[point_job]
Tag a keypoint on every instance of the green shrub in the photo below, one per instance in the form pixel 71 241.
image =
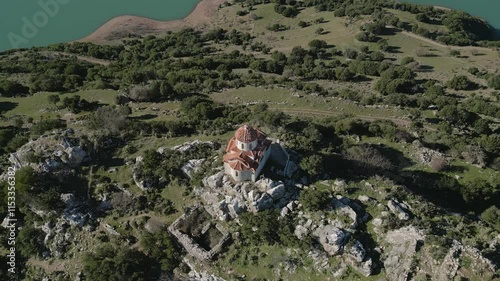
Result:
pixel 492 217
pixel 461 83
pixel 494 82
pixel 118 263
pixel 314 200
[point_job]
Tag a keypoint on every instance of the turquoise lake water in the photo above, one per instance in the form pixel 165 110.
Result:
pixel 486 9
pixel 26 23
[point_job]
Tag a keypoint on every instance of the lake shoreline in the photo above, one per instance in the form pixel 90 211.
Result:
pixel 122 26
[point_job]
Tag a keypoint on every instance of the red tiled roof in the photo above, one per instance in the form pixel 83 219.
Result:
pixel 241 160
pixel 246 134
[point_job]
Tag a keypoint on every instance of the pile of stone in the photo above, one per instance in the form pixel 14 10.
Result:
pixel 426 155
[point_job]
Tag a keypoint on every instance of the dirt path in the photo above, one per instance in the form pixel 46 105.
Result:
pixel 88 59
pixel 83 58
pixel 435 43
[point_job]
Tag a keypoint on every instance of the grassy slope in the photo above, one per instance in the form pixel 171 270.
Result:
pixel 339 33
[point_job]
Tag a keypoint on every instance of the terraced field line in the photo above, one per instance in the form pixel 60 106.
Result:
pixel 325 113
pixel 86 58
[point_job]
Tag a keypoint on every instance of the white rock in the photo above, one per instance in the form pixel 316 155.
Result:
pixel 396 208
pixel 277 192
pixel 357 251
pixel 332 239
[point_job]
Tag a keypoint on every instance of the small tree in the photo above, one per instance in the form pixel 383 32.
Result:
pixel 423 18
pixel 494 82
pixel 492 217
pixel 350 53
pixel 314 200
pixel 313 165
pixel 438 163
pixel 377 56
pixel 162 247
pixel 319 31
pixel 461 83
pixel 407 60
pixel 30 241
pixel 112 263
pixel 54 99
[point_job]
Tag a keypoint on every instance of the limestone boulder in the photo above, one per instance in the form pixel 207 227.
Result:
pixel 357 251
pixel 192 166
pixel 300 231
pixel 263 202
pixel 277 192
pixel 214 181
pixel 399 210
pixel 332 239
pixel 366 267
pixel 75 156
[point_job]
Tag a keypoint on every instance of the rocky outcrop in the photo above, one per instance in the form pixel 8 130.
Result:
pixel 321 261
pixel 214 181
pixel 342 206
pixel 192 166
pixel 75 212
pixel 399 209
pixel 190 145
pixel 75 156
pixel 332 239
pixel 401 252
pixel 140 181
pixel 238 197
pixel 357 258
pixel 49 153
pixel 449 267
pixel 277 192
pixel 260 201
pixel 357 251
pixel 57 238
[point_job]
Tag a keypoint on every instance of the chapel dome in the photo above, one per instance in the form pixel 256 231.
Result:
pixel 246 134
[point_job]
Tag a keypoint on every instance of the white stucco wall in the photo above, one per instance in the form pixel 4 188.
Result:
pixel 246 146
pixel 238 176
pixel 262 163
